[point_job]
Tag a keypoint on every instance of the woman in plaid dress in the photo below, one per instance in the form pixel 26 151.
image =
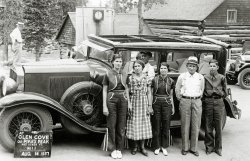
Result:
pixel 140 108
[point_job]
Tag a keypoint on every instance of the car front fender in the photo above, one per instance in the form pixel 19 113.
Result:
pixel 231 108
pixel 16 99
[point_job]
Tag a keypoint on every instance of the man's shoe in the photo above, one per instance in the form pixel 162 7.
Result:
pixel 119 154
pixel 183 152
pixel 144 152
pixel 157 151
pixel 164 151
pixel 196 153
pixel 133 151
pixel 218 152
pixel 114 154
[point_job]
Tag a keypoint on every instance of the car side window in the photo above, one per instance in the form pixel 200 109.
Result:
pixel 177 60
pixel 204 59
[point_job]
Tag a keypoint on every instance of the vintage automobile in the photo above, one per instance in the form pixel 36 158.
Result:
pixel 242 77
pixel 69 92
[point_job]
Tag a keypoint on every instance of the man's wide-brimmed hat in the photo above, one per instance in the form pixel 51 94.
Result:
pixel 192 60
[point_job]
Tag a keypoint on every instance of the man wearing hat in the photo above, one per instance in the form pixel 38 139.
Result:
pixel 189 89
pixel 17 40
pixel 148 69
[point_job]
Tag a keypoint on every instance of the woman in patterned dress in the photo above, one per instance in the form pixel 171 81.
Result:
pixel 139 108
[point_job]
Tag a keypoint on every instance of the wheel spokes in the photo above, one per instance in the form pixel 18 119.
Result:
pixel 24 121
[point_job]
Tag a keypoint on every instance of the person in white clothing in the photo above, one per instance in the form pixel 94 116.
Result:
pixel 148 69
pixel 189 89
pixel 16 38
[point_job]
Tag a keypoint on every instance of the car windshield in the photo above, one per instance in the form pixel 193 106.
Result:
pixel 104 56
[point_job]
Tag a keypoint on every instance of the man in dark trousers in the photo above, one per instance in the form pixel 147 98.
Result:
pixel 215 91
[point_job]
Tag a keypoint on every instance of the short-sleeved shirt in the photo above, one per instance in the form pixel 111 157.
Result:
pixel 119 85
pixel 164 85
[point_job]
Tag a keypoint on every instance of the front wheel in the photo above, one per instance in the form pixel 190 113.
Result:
pixel 84 101
pixel 244 79
pixel 22 118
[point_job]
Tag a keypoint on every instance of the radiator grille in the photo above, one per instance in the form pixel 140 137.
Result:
pixel 58 85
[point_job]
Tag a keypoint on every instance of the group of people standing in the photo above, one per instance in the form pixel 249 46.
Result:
pixel 139 106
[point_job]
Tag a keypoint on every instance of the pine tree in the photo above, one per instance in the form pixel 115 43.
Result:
pixel 9 16
pixel 37 26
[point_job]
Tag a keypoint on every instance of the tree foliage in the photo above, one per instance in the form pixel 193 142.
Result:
pixel 37 26
pixel 9 17
pixel 123 6
pixel 43 19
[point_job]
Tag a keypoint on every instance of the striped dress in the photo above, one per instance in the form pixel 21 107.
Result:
pixel 138 124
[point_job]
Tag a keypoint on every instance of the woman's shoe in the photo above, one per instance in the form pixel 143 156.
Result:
pixel 114 154
pixel 119 154
pixel 144 152
pixel 157 151
pixel 164 151
pixel 133 151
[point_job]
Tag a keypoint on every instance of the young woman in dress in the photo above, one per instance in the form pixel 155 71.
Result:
pixel 140 108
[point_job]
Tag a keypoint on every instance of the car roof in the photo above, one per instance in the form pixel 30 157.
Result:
pixel 170 45
pixel 155 42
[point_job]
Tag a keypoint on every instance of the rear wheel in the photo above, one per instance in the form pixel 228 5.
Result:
pixel 22 118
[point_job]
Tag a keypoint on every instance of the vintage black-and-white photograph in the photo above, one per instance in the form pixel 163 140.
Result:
pixel 90 80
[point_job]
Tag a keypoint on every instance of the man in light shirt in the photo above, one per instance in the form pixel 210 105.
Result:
pixel 17 40
pixel 148 69
pixel 189 89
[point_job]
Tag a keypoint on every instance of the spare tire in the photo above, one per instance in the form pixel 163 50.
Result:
pixel 84 101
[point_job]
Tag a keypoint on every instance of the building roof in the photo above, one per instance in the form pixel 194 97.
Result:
pixel 72 16
pixel 183 10
pixel 67 33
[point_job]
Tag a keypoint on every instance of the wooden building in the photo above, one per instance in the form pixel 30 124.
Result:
pixel 225 20
pixel 67 34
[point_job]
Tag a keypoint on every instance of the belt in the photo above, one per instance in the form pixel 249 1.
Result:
pixel 162 96
pixel 214 97
pixel 187 97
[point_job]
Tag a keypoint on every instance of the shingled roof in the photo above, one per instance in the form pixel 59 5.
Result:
pixel 67 32
pixel 196 10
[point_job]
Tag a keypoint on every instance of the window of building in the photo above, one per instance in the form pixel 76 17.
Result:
pixel 231 16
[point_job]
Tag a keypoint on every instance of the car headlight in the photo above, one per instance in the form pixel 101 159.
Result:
pixel 9 86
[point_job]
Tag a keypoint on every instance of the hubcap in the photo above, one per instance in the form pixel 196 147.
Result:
pixel 87 108
pixel 25 127
pixel 24 121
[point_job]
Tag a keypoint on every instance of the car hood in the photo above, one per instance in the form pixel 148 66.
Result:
pixel 245 58
pixel 61 66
